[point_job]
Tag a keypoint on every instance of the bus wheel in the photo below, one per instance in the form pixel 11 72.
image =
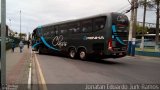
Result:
pixel 40 50
pixel 72 53
pixel 82 54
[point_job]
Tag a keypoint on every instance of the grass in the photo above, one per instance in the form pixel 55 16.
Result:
pixel 147 49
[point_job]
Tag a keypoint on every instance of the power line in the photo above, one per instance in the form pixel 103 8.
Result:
pixel 122 8
pixel 130 2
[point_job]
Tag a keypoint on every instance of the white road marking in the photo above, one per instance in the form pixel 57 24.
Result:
pixel 30 72
pixel 29 78
pixel 43 83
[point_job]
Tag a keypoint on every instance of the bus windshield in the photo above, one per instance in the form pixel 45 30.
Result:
pixel 120 20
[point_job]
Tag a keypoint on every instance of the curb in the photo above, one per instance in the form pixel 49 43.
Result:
pixel 152 54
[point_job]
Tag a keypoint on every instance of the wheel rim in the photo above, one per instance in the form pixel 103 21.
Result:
pixel 72 53
pixel 82 54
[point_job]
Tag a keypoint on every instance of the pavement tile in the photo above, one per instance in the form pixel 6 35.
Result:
pixel 17 67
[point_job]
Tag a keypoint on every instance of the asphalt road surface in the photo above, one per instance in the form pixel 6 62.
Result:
pixel 126 70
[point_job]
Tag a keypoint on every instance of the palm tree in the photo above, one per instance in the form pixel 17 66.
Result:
pixel 145 4
pixel 140 28
pixel 23 35
pixel 152 4
pixel 157 24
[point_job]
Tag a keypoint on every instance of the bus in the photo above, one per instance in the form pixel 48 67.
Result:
pixel 100 35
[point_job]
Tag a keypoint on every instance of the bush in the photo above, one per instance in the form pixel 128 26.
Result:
pixel 9 41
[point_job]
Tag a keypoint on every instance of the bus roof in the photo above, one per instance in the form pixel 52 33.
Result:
pixel 67 21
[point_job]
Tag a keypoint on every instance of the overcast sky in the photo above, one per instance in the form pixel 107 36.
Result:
pixel 40 12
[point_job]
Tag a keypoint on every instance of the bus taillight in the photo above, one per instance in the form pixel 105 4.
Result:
pixel 110 45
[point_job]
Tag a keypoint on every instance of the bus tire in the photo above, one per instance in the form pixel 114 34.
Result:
pixel 72 53
pixel 82 54
pixel 40 50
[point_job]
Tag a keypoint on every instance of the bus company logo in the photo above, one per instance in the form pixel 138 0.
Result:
pixel 121 18
pixel 93 38
pixel 58 41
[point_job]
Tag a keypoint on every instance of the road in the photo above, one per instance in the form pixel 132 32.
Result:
pixel 132 70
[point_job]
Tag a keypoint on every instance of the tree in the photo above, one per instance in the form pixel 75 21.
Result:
pixel 16 33
pixel 22 35
pixel 152 4
pixel 11 34
pixel 157 25
pixel 139 30
pixel 145 4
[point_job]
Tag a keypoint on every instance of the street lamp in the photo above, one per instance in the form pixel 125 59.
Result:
pixel 9 29
pixel 20 24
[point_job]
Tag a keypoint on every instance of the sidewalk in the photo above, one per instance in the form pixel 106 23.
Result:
pixel 17 67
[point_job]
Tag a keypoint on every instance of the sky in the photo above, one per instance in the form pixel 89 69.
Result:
pixel 39 12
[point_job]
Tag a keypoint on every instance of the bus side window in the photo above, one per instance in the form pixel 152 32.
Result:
pixel 70 28
pixel 99 23
pixel 62 29
pixel 48 32
pixel 86 26
pixel 44 32
pixel 74 28
pixel 56 30
pixel 52 32
pixel 70 31
pixel 63 32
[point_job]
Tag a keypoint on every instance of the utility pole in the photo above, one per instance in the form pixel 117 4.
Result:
pixel 3 43
pixel 134 27
pixel 20 24
pixel 10 23
pixel 132 30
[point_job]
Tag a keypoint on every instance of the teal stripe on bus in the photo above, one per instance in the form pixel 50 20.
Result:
pixel 49 46
pixel 117 38
pixel 36 44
